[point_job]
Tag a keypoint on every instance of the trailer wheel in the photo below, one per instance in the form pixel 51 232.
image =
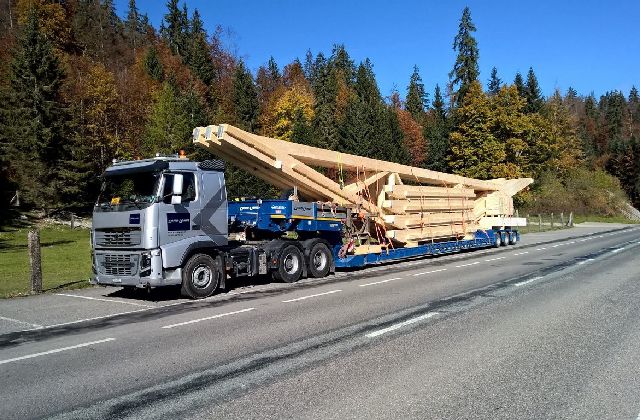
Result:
pixel 319 260
pixel 513 238
pixel 289 265
pixel 201 276
pixel 498 239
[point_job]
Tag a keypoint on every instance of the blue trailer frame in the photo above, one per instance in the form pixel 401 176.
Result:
pixel 287 215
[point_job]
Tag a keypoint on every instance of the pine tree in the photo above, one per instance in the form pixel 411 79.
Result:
pixel 533 95
pixel 494 85
pixel 170 124
pixel 416 96
pixel 34 117
pixel 465 70
pixel 436 134
pixel 176 28
pixel 134 29
pixel 634 105
pixel 198 58
pixel 370 128
pixel 518 82
pixel 245 98
pixel 153 65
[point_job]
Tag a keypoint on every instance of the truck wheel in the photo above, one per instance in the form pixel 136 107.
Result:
pixel 513 238
pixel 319 260
pixel 498 240
pixel 289 265
pixel 201 276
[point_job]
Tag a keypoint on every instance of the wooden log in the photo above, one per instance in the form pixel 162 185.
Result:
pixel 410 191
pixel 416 235
pixel 329 159
pixel 430 204
pixel 405 221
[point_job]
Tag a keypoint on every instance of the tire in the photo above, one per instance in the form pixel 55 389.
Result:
pixel 498 240
pixel 290 265
pixel 513 238
pixel 201 276
pixel 320 260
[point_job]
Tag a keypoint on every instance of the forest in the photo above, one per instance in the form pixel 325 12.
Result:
pixel 80 86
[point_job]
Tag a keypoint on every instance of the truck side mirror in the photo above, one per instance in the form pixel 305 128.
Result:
pixel 178 182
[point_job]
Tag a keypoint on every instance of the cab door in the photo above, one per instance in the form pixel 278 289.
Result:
pixel 176 221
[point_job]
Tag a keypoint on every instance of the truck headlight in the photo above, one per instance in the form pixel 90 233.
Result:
pixel 145 264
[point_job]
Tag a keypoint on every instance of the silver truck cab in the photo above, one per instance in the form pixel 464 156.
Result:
pixel 152 215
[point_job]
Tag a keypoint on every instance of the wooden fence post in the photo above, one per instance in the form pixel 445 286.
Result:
pixel 73 221
pixel 570 223
pixel 528 226
pixel 539 222
pixel 562 219
pixel 35 261
pixel 551 221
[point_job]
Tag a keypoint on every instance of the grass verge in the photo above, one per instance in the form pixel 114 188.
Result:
pixel 66 259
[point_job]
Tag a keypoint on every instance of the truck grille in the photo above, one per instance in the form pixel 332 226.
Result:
pixel 118 237
pixel 118 264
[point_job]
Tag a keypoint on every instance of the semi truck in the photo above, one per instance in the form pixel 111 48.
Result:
pixel 167 221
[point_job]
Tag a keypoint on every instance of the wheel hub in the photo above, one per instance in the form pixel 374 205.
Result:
pixel 202 276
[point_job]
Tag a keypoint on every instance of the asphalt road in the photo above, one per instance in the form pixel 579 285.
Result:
pixel 542 331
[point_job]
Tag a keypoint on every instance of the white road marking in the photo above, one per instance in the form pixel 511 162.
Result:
pixel 541 249
pixel 62 324
pixel 104 300
pixel 401 324
pixel 467 265
pixel 585 261
pixel 572 242
pixel 311 296
pixel 617 250
pixel 585 239
pixel 380 282
pixel 523 283
pixel 521 253
pixel 193 321
pixel 35 326
pixel 429 272
pixel 495 259
pixel 44 353
pixel 555 246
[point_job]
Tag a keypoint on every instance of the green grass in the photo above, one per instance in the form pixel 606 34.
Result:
pixel 604 219
pixel 66 259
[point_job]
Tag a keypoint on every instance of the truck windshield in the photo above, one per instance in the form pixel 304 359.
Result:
pixel 132 189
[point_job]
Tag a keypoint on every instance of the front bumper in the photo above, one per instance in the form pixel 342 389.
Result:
pixel 132 268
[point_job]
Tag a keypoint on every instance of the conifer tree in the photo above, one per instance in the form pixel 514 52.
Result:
pixel 518 82
pixel 634 105
pixel 134 29
pixel 416 96
pixel 436 133
pixel 245 98
pixel 494 85
pixel 533 95
pixel 170 126
pixel 174 28
pixel 465 69
pixel 34 117
pixel 152 64
pixel 198 57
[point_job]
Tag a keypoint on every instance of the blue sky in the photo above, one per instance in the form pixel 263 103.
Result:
pixel 590 45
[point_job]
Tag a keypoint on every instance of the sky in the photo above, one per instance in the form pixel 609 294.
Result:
pixel 592 46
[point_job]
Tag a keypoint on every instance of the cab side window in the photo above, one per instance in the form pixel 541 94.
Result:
pixel 188 187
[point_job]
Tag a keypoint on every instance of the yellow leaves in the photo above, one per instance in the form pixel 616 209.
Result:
pixel 288 103
pixel 52 19
pixel 99 99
